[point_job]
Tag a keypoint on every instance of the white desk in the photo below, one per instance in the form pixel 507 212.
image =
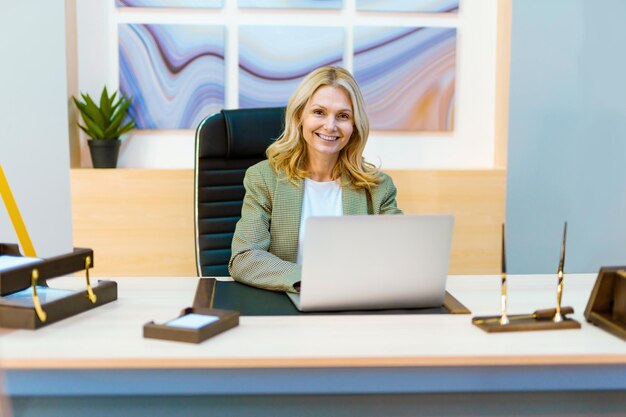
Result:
pixel 102 352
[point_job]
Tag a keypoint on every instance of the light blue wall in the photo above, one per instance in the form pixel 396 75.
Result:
pixel 567 135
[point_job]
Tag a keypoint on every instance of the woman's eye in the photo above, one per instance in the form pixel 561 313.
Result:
pixel 344 116
pixel 318 112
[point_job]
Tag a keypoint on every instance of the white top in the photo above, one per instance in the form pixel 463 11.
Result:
pixel 320 199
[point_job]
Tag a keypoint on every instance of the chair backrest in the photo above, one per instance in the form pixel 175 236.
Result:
pixel 227 144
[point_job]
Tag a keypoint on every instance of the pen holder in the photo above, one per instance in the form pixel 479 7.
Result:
pixel 549 319
pixel 539 320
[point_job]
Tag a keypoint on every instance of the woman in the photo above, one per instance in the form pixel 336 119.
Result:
pixel 315 168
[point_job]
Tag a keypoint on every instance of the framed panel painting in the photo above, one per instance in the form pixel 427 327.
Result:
pixel 407 76
pixel 417 6
pixel 291 4
pixel 174 73
pixel 273 60
pixel 199 4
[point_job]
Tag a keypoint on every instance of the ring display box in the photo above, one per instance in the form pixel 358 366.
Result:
pixel 26 300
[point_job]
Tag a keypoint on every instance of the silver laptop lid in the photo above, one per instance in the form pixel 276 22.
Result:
pixel 375 262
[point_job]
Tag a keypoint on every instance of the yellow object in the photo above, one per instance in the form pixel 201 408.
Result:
pixel 92 297
pixel 40 313
pixel 16 217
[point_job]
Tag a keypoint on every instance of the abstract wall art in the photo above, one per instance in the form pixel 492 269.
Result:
pixel 174 73
pixel 418 6
pixel 407 76
pixel 273 60
pixel 209 4
pixel 291 4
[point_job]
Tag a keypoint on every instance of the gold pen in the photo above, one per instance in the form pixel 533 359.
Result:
pixel 558 317
pixel 504 319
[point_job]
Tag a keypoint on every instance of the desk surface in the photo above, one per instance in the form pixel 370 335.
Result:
pixel 108 341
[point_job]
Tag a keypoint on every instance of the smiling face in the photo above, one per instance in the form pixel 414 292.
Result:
pixel 327 123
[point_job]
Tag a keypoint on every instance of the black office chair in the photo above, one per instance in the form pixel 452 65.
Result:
pixel 227 143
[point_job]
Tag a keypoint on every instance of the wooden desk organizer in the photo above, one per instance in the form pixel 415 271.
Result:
pixel 203 300
pixel 607 304
pixel 526 322
pixel 18 315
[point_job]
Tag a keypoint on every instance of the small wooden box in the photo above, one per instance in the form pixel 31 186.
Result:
pixel 202 305
pixel 607 304
pixel 225 320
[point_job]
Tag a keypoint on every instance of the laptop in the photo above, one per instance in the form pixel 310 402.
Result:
pixel 374 262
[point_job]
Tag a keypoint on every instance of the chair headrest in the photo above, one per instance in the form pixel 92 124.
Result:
pixel 251 131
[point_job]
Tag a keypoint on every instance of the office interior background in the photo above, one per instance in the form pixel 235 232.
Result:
pixel 534 134
pixel 538 134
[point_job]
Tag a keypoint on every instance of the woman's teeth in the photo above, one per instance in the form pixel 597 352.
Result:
pixel 327 138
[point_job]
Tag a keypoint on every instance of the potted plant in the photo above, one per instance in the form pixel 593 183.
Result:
pixel 104 125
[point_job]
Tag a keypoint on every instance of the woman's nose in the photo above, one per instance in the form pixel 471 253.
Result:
pixel 330 123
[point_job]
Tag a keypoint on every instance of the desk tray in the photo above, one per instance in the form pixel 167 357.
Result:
pixel 18 315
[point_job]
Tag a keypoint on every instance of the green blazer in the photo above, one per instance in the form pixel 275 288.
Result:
pixel 265 244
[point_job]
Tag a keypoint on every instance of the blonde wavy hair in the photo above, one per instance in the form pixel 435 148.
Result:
pixel 289 153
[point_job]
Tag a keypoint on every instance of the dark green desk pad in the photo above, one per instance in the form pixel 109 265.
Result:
pixel 251 301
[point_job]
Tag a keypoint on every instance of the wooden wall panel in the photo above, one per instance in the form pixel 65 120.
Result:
pixel 477 200
pixel 140 222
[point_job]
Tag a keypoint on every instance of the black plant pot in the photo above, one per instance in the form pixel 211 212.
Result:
pixel 104 152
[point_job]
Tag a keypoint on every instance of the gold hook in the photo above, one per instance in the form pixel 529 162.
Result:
pixel 40 313
pixel 92 297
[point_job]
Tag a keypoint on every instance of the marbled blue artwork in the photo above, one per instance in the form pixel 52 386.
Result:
pixel 273 60
pixel 175 74
pixel 210 4
pixel 407 76
pixel 419 6
pixel 291 4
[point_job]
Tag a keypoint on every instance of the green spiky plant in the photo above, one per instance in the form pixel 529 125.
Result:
pixel 104 122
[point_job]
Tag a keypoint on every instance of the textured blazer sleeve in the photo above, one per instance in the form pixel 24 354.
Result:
pixel 388 204
pixel 251 262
